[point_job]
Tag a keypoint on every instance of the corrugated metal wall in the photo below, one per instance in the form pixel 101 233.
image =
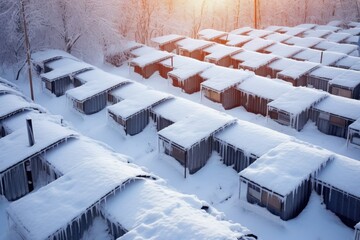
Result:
pixel 137 122
pixel 318 83
pixel 345 206
pixel 326 123
pixel 95 103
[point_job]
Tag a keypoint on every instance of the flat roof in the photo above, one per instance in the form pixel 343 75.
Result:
pixel 211 34
pixel 14 148
pixel 342 173
pixel 253 59
pixel 195 127
pixel 176 109
pixel 353 31
pixel 66 69
pixel 186 71
pixel 37 214
pixel 265 87
pixel 324 57
pixel 129 90
pixel 252 138
pixel 297 70
pixel 278 37
pixel 336 47
pixel 327 72
pixel 178 61
pixel 282 63
pixel 49 54
pixel 162 40
pixel 298 100
pixel 219 51
pixel 355 125
pixel 259 33
pixel 350 79
pixel 340 106
pixel 142 50
pixel 337 37
pixel 241 30
pixel 150 58
pixel 137 103
pixel 257 44
pixel 17 121
pixel 13 103
pixel 147 208
pixel 96 82
pixel 284 50
pixel 293 31
pixel 348 61
pixel 306 25
pixel 191 44
pixel 284 168
pixel 234 39
pixel 327 27
pixel 317 33
pixel 304 42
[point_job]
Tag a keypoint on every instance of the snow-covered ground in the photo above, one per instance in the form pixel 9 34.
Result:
pixel 215 183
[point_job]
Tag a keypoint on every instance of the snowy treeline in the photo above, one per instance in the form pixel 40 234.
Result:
pixel 90 27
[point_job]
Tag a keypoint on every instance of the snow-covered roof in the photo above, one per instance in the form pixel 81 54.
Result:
pixel 63 159
pixel 178 61
pixel 150 58
pixel 278 37
pixel 355 125
pixel 306 25
pixel 286 167
pixel 327 27
pixel 38 215
pixel 294 31
pixel 317 33
pixel 347 62
pixel 5 89
pixel 18 120
pixel 342 173
pixel 336 47
pixel 186 71
pixel 265 87
pixel 282 63
pixel 241 30
pixel 317 56
pixel 196 127
pixel 235 40
pixel 253 60
pixel 298 70
pixel 304 42
pixel 11 104
pixel 49 54
pixel 255 139
pixel 349 79
pixel 67 69
pixel 337 37
pixel 219 51
pixel 162 40
pixel 142 50
pixel 129 90
pixel 221 78
pixel 96 82
pixel 335 23
pixel 257 44
pixel 137 103
pixel 147 209
pixel 211 34
pixel 274 28
pixel 341 106
pixel 260 33
pixel 177 109
pixel 61 62
pixel 5 82
pixel 14 148
pixel 283 50
pixel 353 31
pixel 191 45
pixel 327 72
pixel 298 100
pixel 352 40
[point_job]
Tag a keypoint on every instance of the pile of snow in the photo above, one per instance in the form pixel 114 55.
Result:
pixel 287 166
